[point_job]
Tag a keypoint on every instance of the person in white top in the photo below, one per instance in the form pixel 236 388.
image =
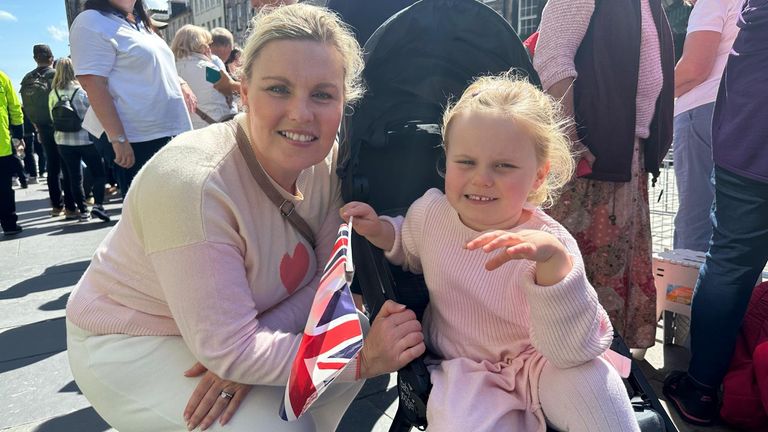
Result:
pixel 138 106
pixel 191 46
pixel 75 146
pixel 711 32
pixel 222 43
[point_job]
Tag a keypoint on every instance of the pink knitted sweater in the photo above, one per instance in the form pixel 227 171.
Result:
pixel 563 26
pixel 497 315
pixel 202 253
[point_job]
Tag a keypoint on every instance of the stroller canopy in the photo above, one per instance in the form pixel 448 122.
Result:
pixel 428 53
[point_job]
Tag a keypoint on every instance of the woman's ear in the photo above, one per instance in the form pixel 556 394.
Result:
pixel 244 93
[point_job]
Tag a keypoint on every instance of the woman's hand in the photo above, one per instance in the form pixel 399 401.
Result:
pixel 395 339
pixel 190 100
pixel 368 224
pixel 553 262
pixel 124 154
pixel 213 398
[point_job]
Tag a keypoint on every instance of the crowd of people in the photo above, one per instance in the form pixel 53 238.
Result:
pixel 551 184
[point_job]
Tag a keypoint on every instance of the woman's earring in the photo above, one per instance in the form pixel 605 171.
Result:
pixel 245 108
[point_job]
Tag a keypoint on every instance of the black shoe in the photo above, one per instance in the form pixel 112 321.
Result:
pixel 100 213
pixel 12 231
pixel 695 403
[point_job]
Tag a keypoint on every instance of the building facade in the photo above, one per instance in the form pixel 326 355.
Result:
pixel 72 7
pixel 208 13
pixel 238 14
pixel 179 15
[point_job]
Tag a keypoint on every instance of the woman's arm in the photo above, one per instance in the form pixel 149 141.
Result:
pixel 699 55
pixel 104 107
pixel 563 26
pixel 227 85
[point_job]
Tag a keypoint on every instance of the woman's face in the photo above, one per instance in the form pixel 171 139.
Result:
pixel 295 99
pixel 123 5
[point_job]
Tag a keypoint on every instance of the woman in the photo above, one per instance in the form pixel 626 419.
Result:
pixel 77 147
pixel 622 52
pixel 711 32
pixel 205 270
pixel 191 47
pixel 234 62
pixel 138 106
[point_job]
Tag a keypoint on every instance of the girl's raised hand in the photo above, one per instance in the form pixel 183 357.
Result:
pixel 367 222
pixel 553 260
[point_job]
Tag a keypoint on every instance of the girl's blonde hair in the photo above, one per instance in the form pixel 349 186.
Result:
pixel 310 23
pixel 65 74
pixel 190 39
pixel 538 114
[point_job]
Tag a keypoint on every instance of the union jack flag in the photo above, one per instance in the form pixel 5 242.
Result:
pixel 332 336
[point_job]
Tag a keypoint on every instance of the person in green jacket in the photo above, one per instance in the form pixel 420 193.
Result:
pixel 11 135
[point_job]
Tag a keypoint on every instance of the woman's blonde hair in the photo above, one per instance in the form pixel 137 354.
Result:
pixel 310 23
pixel 539 115
pixel 190 39
pixel 65 74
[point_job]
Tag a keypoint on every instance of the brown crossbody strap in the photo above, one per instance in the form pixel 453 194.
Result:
pixel 285 206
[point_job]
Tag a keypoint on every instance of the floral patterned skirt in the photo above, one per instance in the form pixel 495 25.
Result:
pixel 611 223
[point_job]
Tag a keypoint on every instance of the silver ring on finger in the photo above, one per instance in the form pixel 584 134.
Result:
pixel 226 395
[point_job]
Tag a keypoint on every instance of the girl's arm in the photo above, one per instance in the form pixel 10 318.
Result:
pixel 567 323
pixel 367 223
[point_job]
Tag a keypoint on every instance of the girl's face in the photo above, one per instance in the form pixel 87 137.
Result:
pixel 491 168
pixel 295 98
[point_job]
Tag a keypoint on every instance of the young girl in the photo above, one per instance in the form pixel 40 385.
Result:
pixel 515 324
pixel 77 147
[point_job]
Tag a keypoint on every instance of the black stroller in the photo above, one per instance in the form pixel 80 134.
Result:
pixel 415 62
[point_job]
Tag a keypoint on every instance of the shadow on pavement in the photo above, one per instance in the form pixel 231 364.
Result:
pixel 53 277
pixel 84 420
pixel 23 206
pixel 59 303
pixel 369 406
pixel 31 343
pixel 71 387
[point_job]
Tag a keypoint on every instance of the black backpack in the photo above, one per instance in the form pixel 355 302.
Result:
pixel 64 115
pixel 35 88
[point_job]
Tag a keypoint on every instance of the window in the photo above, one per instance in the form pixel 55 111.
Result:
pixel 219 21
pixel 527 17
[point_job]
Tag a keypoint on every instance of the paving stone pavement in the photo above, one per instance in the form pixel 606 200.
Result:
pixel 38 269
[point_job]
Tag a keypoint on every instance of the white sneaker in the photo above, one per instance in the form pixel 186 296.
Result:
pixel 16 182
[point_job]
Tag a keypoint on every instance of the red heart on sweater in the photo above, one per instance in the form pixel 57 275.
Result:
pixel 294 268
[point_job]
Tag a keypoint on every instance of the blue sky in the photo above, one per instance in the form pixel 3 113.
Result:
pixel 24 23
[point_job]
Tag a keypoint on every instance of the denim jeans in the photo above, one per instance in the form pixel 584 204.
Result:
pixel 692 147
pixel 72 155
pixel 737 254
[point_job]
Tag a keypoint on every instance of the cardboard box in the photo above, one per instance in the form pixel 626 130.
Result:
pixel 675 275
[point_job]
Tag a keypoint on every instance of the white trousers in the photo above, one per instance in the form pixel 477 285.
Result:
pixel 137 383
